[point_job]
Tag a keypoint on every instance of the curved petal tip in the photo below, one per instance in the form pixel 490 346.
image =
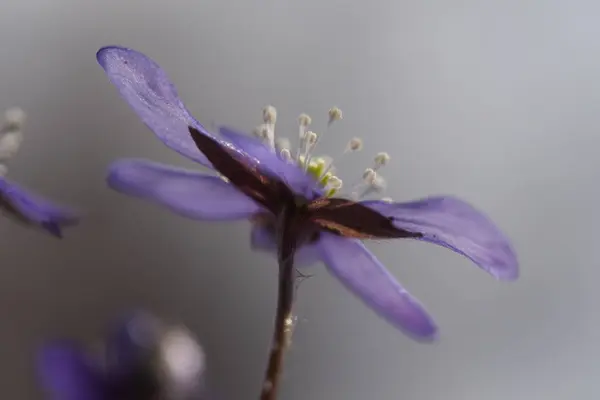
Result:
pixel 103 51
pixel 456 225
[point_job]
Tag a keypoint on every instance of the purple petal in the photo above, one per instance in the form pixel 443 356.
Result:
pixel 454 224
pixel 361 273
pixel 148 90
pixel 290 173
pixel 190 194
pixel 67 374
pixel 33 209
pixel 263 239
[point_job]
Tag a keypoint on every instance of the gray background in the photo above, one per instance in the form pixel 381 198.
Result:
pixel 493 101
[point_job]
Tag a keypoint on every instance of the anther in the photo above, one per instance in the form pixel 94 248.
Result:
pixel 310 141
pixel 335 114
pixel 387 200
pixel 285 154
pixel 14 118
pixel 381 159
pixel 269 115
pixel 261 132
pixel 354 144
pixel 311 138
pixel 304 120
pixel 334 183
pixel 369 175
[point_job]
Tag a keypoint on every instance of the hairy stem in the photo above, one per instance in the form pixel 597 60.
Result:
pixel 282 330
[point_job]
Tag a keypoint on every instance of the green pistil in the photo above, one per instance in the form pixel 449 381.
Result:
pixel 316 169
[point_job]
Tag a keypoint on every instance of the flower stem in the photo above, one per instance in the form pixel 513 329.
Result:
pixel 282 331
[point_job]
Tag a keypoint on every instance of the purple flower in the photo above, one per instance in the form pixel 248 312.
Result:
pixel 143 359
pixel 15 201
pixel 442 220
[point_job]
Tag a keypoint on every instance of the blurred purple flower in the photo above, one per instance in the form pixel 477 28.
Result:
pixel 15 201
pixel 144 359
pixel 442 220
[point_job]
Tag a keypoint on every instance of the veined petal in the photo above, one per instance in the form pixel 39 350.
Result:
pixel 148 90
pixel 290 173
pixel 68 374
pixel 263 239
pixel 454 224
pixel 190 194
pixel 32 209
pixel 361 273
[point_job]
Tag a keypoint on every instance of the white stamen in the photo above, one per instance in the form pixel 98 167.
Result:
pixel 271 137
pixel 354 144
pixel 371 182
pixel 378 184
pixel 11 135
pixel 335 114
pixel 304 121
pixel 381 159
pixel 328 166
pixel 14 118
pixel 269 115
pixel 387 200
pixel 10 142
pixel 261 131
pixel 335 183
pixel 310 141
pixel 369 175
pixel 269 119
pixel 266 133
pixel 325 162
pixel 286 155
pixel 311 138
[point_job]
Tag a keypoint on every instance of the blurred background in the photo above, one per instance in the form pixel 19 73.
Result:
pixel 496 102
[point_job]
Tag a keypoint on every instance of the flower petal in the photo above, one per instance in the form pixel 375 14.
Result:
pixel 67 374
pixel 190 194
pixel 148 90
pixel 454 224
pixel 32 209
pixel 290 173
pixel 361 273
pixel 263 239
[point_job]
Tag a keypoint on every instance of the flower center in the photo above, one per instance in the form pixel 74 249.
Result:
pixel 321 168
